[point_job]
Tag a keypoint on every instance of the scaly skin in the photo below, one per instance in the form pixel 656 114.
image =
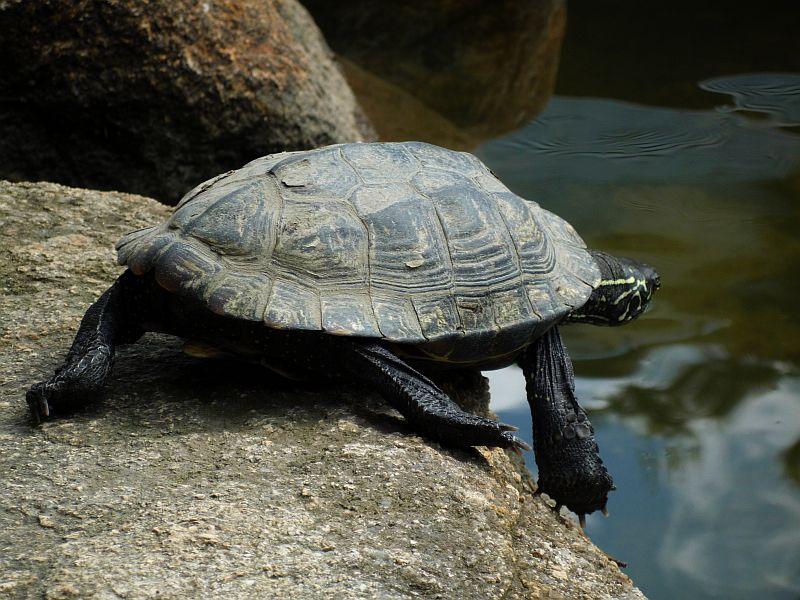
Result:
pixel 427 408
pixel 623 294
pixel 570 468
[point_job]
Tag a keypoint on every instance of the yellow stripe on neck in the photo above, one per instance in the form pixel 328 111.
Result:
pixel 629 280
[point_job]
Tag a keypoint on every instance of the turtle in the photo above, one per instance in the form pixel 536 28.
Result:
pixel 374 262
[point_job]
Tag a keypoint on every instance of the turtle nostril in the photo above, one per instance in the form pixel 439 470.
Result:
pixel 653 277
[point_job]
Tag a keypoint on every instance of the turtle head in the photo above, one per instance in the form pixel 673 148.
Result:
pixel 624 292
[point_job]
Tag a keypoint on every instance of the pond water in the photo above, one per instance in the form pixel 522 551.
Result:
pixel 696 405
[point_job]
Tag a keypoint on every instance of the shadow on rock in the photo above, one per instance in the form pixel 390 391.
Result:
pixel 157 386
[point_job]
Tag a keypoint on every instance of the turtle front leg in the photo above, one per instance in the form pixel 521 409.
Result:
pixel 107 324
pixel 422 403
pixel 570 468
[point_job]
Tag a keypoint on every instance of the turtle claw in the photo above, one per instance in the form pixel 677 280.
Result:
pixel 605 512
pixel 508 427
pixel 38 406
pixel 514 442
pixel 523 445
pixel 557 510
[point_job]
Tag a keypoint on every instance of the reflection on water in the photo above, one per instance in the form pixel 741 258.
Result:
pixel 704 512
pixel 697 406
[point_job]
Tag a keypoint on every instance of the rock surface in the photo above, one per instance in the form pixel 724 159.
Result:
pixel 153 96
pixel 199 478
pixel 488 67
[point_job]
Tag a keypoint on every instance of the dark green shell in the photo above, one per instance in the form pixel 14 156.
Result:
pixel 403 241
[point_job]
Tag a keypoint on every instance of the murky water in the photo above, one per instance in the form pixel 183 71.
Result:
pixel 697 405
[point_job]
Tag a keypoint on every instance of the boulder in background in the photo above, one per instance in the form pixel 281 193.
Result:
pixel 156 96
pixel 487 67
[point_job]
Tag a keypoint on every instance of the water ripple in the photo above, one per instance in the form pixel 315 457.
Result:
pixel 588 139
pixel 775 94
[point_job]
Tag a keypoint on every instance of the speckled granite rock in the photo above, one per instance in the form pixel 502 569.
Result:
pixel 211 479
pixel 152 96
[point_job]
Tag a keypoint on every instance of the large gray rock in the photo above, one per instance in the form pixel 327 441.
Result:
pixel 153 96
pixel 197 478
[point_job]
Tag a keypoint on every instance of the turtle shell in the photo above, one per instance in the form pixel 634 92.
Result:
pixel 408 242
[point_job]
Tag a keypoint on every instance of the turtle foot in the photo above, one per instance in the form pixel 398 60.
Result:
pixel 580 497
pixel 510 440
pixel 38 402
pixel 425 406
pixel 74 384
pixel 581 514
pixel 466 429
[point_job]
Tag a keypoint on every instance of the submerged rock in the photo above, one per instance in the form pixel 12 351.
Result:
pixel 486 67
pixel 152 97
pixel 200 478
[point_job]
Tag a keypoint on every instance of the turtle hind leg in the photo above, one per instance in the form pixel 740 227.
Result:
pixel 571 471
pixel 427 408
pixel 107 324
